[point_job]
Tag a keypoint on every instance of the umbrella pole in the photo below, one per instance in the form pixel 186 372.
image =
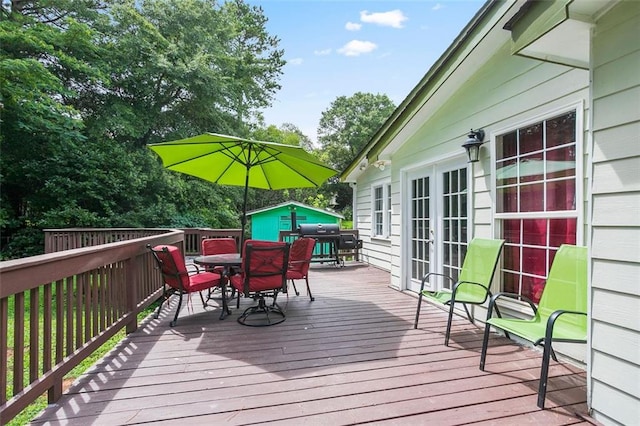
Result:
pixel 244 210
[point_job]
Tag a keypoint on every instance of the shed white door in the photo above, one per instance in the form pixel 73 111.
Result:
pixel 438 223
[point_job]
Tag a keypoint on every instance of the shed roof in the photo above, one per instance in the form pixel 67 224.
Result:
pixel 295 204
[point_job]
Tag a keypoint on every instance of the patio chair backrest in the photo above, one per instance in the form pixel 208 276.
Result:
pixel 300 255
pixel 264 265
pixel 479 266
pixel 566 287
pixel 219 246
pixel 171 263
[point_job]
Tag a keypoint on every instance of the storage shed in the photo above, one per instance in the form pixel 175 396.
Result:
pixel 266 223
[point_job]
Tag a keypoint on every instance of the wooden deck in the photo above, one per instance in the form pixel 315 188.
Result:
pixel 350 357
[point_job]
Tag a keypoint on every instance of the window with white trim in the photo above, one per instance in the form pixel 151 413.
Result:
pixel 381 211
pixel 536 199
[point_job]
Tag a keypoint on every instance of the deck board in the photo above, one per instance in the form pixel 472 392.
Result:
pixel 350 357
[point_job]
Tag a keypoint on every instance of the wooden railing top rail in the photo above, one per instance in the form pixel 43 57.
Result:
pixel 73 238
pixel 20 275
pixel 64 306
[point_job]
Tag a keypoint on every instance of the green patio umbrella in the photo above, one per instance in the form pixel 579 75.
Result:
pixel 229 160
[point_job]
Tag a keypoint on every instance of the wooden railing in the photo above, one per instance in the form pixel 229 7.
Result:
pixel 56 240
pixel 324 251
pixel 60 307
pixel 194 236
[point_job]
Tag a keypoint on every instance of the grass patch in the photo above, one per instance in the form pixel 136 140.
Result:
pixel 41 403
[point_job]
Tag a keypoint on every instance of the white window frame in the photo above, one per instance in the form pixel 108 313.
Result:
pixel 385 212
pixel 578 212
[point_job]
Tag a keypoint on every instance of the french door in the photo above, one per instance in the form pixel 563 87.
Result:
pixel 438 222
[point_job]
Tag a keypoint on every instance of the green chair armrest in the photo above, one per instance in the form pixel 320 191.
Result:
pixel 443 296
pixel 551 322
pixel 516 296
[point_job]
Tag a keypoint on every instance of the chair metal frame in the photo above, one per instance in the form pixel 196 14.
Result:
pixel 173 273
pixel 299 266
pixel 473 284
pixel 561 314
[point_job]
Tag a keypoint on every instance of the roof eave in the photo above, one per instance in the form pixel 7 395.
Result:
pixel 404 111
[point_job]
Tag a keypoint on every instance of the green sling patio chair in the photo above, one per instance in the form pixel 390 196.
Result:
pixel 561 314
pixel 473 283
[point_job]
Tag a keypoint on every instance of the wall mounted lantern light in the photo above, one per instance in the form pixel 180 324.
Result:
pixel 381 164
pixel 475 138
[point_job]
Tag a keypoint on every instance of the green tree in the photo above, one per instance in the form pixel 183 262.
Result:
pixel 86 84
pixel 45 54
pixel 180 68
pixel 344 130
pixel 287 134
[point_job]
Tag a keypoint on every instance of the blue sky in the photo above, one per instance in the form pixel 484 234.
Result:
pixel 339 47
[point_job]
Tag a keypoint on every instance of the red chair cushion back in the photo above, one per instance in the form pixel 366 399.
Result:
pixel 264 265
pixel 300 255
pixel 173 266
pixel 219 246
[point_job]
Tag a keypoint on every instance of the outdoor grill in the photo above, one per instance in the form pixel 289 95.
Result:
pixel 329 239
pixel 327 236
pixel 319 229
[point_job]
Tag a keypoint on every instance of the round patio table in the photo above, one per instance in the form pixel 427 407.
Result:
pixel 227 261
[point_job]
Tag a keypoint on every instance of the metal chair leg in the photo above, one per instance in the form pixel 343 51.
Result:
pixel 309 290
pixel 449 321
pixel 544 373
pixel 415 323
pixel 175 318
pixel 485 343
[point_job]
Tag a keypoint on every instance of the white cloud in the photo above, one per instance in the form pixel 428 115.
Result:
pixel 353 26
pixel 295 61
pixel 438 6
pixel 393 18
pixel 357 48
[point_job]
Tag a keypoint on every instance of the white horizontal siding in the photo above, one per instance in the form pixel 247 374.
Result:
pixel 616 36
pixel 624 68
pixel 611 407
pixel 616 373
pixel 617 143
pixel 616 308
pixel 616 176
pixel 612 275
pixel 614 377
pixel 616 243
pixel 618 342
pixel 375 252
pixel 616 209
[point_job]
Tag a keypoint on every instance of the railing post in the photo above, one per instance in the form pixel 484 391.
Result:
pixel 131 283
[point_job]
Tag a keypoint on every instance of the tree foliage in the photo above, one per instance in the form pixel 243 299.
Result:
pixel 86 84
pixel 344 130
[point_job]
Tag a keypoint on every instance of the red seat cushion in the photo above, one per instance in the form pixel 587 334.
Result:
pixel 295 275
pixel 175 272
pixel 203 281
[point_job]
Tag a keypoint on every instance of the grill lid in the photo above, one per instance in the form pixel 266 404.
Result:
pixel 318 229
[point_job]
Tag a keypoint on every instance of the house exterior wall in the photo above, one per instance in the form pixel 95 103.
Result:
pixel 375 251
pixel 615 234
pixel 506 91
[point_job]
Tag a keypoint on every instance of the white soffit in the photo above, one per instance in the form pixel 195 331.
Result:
pixel 568 44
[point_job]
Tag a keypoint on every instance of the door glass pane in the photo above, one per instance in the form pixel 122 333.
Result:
pixel 420 226
pixel 454 223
